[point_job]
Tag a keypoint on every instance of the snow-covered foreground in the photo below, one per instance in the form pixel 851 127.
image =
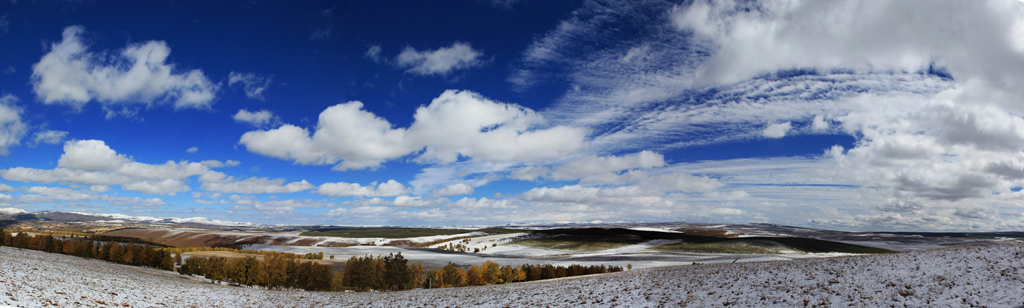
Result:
pixel 955 277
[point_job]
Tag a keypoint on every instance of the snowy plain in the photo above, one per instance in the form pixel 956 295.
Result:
pixel 991 276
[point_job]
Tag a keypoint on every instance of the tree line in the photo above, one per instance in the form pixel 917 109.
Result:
pixel 131 254
pixel 452 275
pixel 92 236
pixel 273 272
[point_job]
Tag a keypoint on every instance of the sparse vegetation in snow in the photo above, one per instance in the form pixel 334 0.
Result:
pixel 953 277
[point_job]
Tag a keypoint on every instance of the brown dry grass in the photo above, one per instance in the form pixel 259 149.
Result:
pixel 198 238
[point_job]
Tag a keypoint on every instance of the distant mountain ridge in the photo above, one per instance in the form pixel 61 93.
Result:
pixel 20 214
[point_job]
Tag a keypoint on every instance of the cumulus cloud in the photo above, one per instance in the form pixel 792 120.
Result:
pixel 61 195
pixel 456 124
pixel 400 201
pixel 386 189
pixel 254 185
pixel 165 186
pixel 819 123
pixel 12 129
pixel 70 74
pixel 254 85
pixel 441 61
pixel 92 162
pixel 192 150
pixel 777 130
pixel 246 203
pixel 91 155
pixel 453 190
pixel 218 164
pixel 934 149
pixel 259 118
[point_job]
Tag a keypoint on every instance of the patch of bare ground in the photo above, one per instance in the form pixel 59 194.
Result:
pixel 180 238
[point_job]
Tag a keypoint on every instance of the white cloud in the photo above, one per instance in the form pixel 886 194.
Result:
pixel 777 130
pixel 933 149
pixel 529 173
pixel 4 24
pixel 49 137
pixel 12 129
pixel 441 61
pixel 192 150
pixel 474 174
pixel 42 194
pixel 249 203
pixel 91 155
pixel 361 210
pixel 99 188
pixel 92 162
pixel 778 35
pixel 456 124
pixel 255 185
pixel 645 190
pixel 259 119
pixel 165 186
pixel 935 123
pixel 218 164
pixel 819 123
pixel 485 204
pixel 453 190
pixel 387 189
pixel 373 53
pixel 254 85
pixel 593 165
pixel 402 201
pixel 6 188
pixel 71 74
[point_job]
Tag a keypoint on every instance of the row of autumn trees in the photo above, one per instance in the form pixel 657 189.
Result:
pixel 276 271
pixel 131 254
pixel 273 272
pixel 452 275
pixel 289 271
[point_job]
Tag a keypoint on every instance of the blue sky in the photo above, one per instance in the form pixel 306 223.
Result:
pixel 872 115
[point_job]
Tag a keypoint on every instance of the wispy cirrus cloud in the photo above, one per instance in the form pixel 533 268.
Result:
pixel 924 113
pixel 254 85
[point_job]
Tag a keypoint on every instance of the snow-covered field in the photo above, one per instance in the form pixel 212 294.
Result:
pixel 992 276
